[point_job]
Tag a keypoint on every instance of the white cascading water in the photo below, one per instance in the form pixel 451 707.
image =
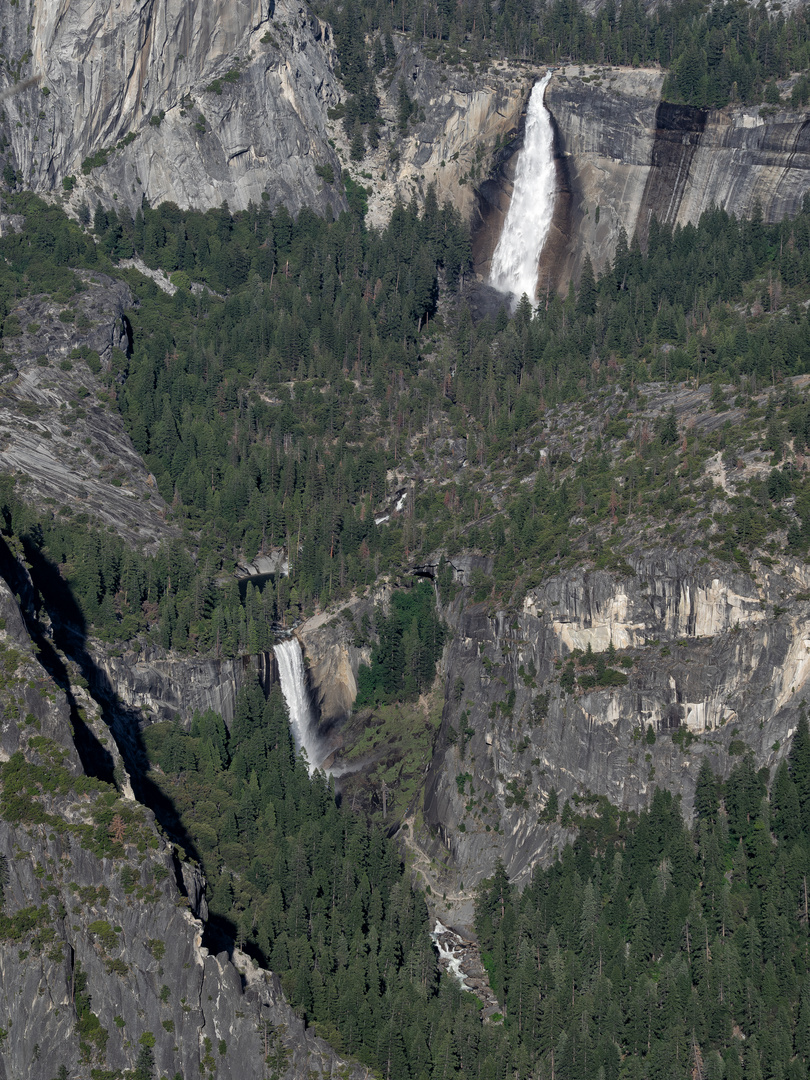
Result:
pixel 514 264
pixel 292 676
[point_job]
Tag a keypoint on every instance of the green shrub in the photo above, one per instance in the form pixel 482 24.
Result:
pixel 231 76
pixel 105 932
pixel 95 161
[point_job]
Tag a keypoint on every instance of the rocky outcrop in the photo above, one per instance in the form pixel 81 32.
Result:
pixel 717 658
pixel 172 687
pixel 104 949
pixel 461 119
pixel 60 435
pixel 133 88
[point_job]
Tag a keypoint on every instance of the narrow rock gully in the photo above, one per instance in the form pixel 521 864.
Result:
pixel 459 954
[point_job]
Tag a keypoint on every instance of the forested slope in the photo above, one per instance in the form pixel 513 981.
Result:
pixel 278 412
pixel 714 53
pixel 667 953
pixel 333 394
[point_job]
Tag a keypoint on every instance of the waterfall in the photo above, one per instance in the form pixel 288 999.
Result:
pixel 514 264
pixel 303 722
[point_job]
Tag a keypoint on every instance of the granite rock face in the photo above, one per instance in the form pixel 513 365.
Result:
pixel 333 660
pixel 60 435
pixel 624 156
pixel 461 120
pixel 102 925
pixel 168 687
pixel 741 160
pixel 205 104
pixel 148 70
pixel 605 136
pixel 710 656
pixel 200 104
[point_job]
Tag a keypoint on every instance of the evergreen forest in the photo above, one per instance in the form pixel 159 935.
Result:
pixel 325 388
pixel 715 53
pixel 646 950
pixel 272 407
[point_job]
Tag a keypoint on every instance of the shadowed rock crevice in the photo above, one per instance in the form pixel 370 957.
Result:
pixel 558 262
pixel 43 590
pixel 678 131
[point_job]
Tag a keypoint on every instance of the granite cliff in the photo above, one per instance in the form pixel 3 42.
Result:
pixel 242 103
pixel 105 949
pixel 60 436
pixel 625 155
pixel 131 91
pixel 230 104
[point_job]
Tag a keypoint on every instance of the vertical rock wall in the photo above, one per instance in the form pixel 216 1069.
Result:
pixel 624 156
pixel 705 659
pixel 93 75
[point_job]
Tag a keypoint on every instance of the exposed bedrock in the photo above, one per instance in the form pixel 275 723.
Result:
pixel 204 103
pixel 742 160
pixel 60 437
pixel 148 72
pixel 624 156
pixel 703 647
pixel 166 686
pixel 462 123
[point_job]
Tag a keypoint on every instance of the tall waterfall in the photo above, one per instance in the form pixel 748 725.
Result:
pixel 514 264
pixel 292 676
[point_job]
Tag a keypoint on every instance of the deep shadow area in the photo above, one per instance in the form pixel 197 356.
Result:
pixel 678 131
pixel 559 259
pixel 52 594
pixel 96 760
pixel 484 301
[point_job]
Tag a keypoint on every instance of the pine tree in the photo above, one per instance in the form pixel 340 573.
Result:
pixel 799 765
pixel 586 299
pixel 357 149
pixel 641 945
pixel 706 800
pixel 144 1064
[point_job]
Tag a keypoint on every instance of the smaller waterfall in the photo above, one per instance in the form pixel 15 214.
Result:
pixel 514 264
pixel 303 723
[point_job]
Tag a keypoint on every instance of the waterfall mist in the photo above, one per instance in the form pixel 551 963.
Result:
pixel 303 722
pixel 514 263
